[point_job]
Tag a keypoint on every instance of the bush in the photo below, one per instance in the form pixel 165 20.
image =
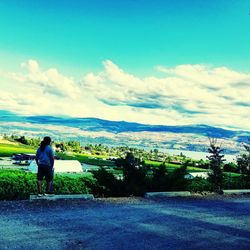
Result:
pixel 72 185
pixel 230 167
pixel 199 184
pixel 106 184
pixel 177 180
pixel 16 184
pixel 239 182
pixel 160 181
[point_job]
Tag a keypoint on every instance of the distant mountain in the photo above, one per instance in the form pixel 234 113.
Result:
pixel 91 130
pixel 95 124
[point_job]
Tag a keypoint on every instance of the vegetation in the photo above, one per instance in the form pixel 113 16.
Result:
pixel 216 166
pixel 16 184
pixel 7 149
pixel 243 162
pixel 33 142
pixel 106 184
pixel 125 171
pixel 83 158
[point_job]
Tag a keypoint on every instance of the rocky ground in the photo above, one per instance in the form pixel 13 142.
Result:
pixel 127 223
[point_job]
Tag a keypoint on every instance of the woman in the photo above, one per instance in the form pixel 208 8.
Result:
pixel 45 163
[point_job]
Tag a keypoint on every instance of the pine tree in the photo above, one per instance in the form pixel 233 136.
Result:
pixel 243 162
pixel 216 166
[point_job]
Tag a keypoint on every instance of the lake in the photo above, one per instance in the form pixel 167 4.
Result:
pixel 197 155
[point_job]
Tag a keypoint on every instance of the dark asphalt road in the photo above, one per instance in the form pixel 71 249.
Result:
pixel 126 224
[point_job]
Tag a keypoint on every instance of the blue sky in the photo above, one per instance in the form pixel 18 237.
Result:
pixel 93 46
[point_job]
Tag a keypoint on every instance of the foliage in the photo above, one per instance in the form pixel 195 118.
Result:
pixel 199 184
pixel 160 180
pixel 177 180
pixel 136 176
pixel 171 166
pixel 230 167
pixel 135 180
pixel 231 181
pixel 15 184
pixel 244 163
pixel 203 164
pixel 216 167
pixel 106 184
pixel 34 142
pixel 70 185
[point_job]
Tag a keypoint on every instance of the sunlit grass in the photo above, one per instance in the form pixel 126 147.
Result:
pixel 171 167
pixel 10 149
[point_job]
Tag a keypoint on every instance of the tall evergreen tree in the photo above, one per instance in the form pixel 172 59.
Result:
pixel 216 166
pixel 134 173
pixel 243 162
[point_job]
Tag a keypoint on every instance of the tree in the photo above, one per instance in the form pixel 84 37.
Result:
pixel 243 162
pixel 107 184
pixel 160 179
pixel 134 173
pixel 177 178
pixel 22 140
pixel 216 166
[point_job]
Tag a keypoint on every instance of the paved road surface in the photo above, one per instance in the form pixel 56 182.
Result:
pixel 183 223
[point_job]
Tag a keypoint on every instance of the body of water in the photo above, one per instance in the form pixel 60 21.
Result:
pixel 198 155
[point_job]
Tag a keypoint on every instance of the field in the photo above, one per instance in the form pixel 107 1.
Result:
pixel 83 158
pixel 7 149
pixel 171 167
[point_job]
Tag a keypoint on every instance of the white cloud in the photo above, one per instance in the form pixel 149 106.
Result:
pixel 51 81
pixel 187 94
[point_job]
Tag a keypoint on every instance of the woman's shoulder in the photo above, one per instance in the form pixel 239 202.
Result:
pixel 49 148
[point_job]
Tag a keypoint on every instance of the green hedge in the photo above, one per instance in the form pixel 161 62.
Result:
pixel 17 184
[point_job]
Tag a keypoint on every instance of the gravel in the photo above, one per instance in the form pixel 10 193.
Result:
pixel 127 223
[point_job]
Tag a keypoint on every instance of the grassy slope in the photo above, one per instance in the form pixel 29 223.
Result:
pixel 171 166
pixel 7 149
pixel 86 159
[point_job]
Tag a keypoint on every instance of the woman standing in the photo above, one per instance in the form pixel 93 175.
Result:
pixel 45 163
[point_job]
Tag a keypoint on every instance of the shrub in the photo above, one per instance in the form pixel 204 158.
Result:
pixel 235 182
pixel 72 185
pixel 230 167
pixel 177 180
pixel 160 179
pixel 199 184
pixel 106 184
pixel 135 176
pixel 16 184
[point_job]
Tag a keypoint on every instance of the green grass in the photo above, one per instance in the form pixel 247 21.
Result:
pixel 171 166
pixel 10 149
pixel 76 175
pixel 230 174
pixel 86 159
